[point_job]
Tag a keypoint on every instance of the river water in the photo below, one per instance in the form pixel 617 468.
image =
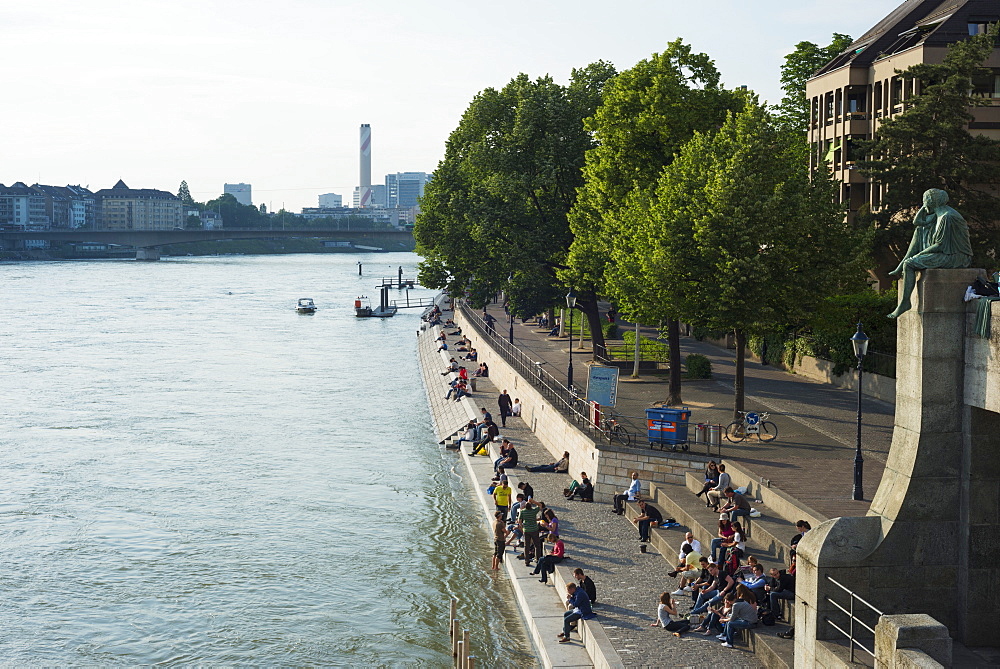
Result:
pixel 193 473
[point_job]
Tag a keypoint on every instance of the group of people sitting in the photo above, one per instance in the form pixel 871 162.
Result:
pixel 526 523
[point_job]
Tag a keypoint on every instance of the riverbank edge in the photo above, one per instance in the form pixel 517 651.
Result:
pixel 540 606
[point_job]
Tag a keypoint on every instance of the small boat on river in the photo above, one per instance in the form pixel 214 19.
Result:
pixel 306 306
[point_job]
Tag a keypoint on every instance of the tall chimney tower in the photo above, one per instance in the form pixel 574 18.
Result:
pixel 365 199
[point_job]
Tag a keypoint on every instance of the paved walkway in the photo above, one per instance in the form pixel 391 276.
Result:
pixel 813 457
pixel 606 546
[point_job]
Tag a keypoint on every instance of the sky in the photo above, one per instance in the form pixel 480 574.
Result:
pixel 273 93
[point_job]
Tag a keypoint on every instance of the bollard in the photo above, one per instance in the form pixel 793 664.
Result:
pixel 454 637
pixel 472 662
pixel 458 654
pixel 453 615
pixel 466 649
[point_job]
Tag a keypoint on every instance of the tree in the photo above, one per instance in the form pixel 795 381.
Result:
pixel 793 112
pixel 648 112
pixel 234 214
pixel 736 236
pixel 184 194
pixel 495 215
pixel 929 146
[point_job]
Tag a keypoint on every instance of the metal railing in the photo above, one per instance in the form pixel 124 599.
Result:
pixel 566 400
pixel 849 633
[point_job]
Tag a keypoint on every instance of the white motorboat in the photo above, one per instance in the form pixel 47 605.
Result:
pixel 306 306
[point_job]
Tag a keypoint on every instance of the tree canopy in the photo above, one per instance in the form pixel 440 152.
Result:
pixel 793 112
pixel 736 236
pixel 495 215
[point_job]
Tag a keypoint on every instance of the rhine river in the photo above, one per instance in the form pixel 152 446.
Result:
pixel 193 473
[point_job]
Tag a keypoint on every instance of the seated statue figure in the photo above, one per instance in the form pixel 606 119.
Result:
pixel 940 241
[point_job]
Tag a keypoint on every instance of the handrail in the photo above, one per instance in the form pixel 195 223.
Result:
pixel 849 634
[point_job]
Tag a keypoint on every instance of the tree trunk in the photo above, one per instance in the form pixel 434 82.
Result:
pixel 741 349
pixel 674 340
pixel 589 307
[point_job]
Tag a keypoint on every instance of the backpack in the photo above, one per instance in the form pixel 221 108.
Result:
pixel 768 619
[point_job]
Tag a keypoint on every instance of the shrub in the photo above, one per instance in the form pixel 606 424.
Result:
pixel 611 330
pixel 698 366
pixel 649 349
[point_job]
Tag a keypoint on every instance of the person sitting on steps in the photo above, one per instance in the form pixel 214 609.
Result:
pixel 711 477
pixel 630 495
pixel 585 489
pixel 559 466
pixel 714 495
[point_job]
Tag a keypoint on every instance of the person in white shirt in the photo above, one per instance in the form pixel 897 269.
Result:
pixel 715 494
pixel 689 540
pixel 631 494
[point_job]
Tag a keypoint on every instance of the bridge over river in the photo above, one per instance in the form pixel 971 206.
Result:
pixel 148 242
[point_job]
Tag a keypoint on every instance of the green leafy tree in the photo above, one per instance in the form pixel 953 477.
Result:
pixel 737 236
pixel 236 215
pixel 184 194
pixel 929 146
pixel 495 215
pixel 648 112
pixel 192 222
pixel 799 65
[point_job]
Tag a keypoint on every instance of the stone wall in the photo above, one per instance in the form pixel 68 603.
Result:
pixel 609 467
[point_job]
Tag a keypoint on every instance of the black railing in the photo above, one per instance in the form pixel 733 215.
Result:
pixel 566 400
pixel 851 633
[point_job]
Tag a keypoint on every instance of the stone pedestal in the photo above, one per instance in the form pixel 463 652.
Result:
pixel 912 553
pixel 147 253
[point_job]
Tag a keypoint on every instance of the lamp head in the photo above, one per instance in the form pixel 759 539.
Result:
pixel 571 299
pixel 860 343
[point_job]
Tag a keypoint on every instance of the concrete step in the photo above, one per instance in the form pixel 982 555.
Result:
pixel 767 539
pixel 780 503
pixel 773 651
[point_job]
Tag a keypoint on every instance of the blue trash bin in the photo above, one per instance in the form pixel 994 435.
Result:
pixel 668 426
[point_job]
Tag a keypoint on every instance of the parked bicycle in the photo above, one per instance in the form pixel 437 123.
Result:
pixel 613 430
pixel 752 423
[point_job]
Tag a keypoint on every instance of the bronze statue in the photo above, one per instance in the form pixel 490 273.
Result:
pixel 940 241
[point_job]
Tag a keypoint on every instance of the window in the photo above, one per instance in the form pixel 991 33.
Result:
pixel 986 85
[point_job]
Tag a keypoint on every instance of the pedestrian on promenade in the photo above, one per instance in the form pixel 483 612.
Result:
pixel 586 583
pixel 714 496
pixel 579 608
pixel 527 519
pixel 499 539
pixel 559 466
pixel 501 495
pixel 503 401
pixel 630 495
pixel 737 506
pixel 666 609
pixel 711 478
pixel 547 564
pixel 649 516
pixel 726 532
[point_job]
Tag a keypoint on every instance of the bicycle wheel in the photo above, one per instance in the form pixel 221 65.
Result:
pixel 768 431
pixel 736 432
pixel 622 435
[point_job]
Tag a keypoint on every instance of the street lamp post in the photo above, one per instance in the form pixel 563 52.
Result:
pixel 860 343
pixel 570 304
pixel 510 310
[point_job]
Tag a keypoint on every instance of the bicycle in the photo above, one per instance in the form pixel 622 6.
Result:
pixel 614 430
pixel 752 423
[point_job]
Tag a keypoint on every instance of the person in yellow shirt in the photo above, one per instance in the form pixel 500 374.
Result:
pixel 689 569
pixel 501 495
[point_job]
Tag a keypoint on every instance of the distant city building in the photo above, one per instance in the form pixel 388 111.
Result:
pixel 375 214
pixel 240 191
pixel 67 206
pixel 331 200
pixel 124 208
pixel 22 206
pixel 404 189
pixel 210 220
pixel 852 95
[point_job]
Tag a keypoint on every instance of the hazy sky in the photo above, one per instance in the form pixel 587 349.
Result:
pixel 272 93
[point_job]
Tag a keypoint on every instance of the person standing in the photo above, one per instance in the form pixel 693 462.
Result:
pixel 527 519
pixel 501 495
pixel 505 406
pixel 499 539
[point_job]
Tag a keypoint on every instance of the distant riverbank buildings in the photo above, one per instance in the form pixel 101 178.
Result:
pixel 855 92
pixel 41 207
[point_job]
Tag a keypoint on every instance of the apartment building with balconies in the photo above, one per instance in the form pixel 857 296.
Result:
pixel 855 92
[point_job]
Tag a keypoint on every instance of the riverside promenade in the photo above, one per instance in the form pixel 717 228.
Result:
pixel 813 457
pixel 604 545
